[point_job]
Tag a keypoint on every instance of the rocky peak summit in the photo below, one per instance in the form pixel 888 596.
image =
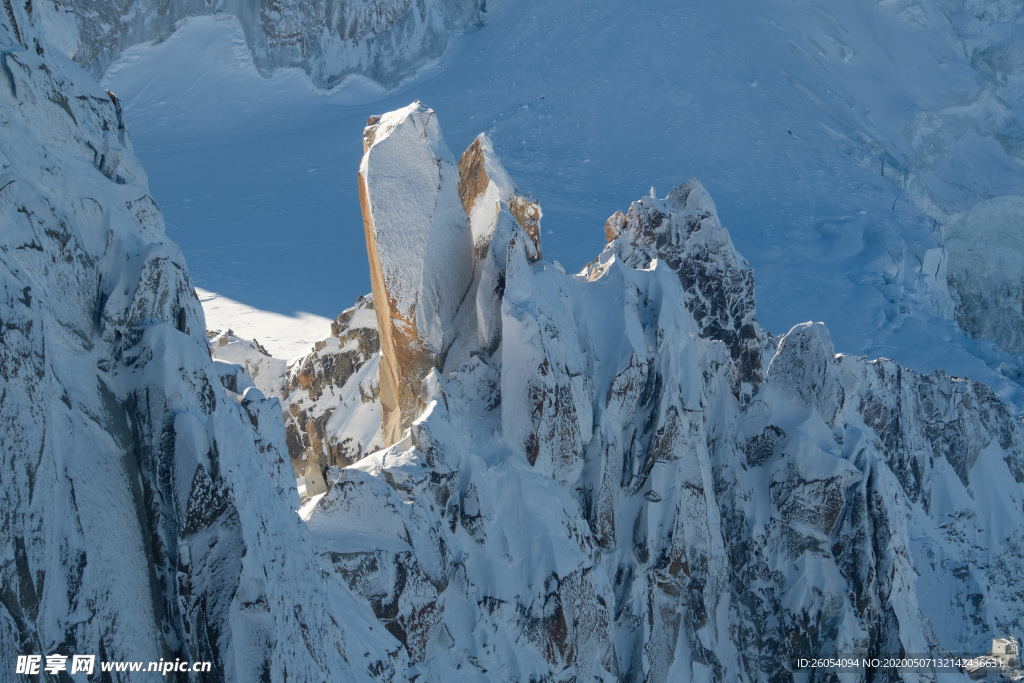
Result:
pixel 420 250
pixel 429 225
pixel 484 187
pixel 683 231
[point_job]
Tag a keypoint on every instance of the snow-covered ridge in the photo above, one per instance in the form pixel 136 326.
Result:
pixel 604 481
pixel 148 503
pixel 385 40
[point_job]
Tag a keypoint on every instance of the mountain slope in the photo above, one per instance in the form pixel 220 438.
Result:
pixel 148 506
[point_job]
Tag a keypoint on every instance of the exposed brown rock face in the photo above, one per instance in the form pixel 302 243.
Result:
pixel 473 180
pixel 428 225
pixel 338 375
pixel 420 250
pixel 483 184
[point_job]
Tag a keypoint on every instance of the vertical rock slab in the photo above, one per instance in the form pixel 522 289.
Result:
pixel 420 249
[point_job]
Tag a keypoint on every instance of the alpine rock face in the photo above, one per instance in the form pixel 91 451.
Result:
pixel 614 475
pixel 385 40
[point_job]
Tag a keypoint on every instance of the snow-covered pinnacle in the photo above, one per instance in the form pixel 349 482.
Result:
pixel 804 369
pixel 420 249
pixel 484 186
pixel 683 231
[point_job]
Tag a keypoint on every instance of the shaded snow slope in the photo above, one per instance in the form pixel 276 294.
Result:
pixel 833 135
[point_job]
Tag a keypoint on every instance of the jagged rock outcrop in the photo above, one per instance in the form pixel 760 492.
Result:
pixel 334 391
pixel 484 186
pixel 147 503
pixel 605 483
pixel 329 397
pixel 683 230
pixel 386 40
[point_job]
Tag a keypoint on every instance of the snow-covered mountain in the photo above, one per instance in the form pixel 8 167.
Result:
pixel 616 474
pixel 383 40
pixel 846 142
pixel 147 502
